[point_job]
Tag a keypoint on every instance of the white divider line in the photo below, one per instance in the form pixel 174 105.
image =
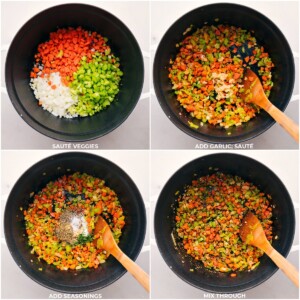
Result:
pixel 152 242
pixel 145 95
pixel 145 249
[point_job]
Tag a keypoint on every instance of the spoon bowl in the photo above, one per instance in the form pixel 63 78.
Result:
pixel 104 239
pixel 254 93
pixel 252 233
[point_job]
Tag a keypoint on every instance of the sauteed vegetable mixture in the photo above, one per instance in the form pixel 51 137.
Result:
pixel 48 218
pixel 208 70
pixel 209 216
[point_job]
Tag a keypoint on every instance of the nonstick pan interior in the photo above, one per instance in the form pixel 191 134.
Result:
pixel 267 35
pixel 181 263
pixel 35 178
pixel 20 60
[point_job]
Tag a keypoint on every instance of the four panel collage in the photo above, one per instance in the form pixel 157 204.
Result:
pixel 150 149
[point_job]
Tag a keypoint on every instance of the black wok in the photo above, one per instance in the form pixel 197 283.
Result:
pixel 267 35
pixel 20 59
pixel 33 180
pixel 164 222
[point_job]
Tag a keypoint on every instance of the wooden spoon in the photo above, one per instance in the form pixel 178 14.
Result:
pixel 107 242
pixel 254 93
pixel 252 233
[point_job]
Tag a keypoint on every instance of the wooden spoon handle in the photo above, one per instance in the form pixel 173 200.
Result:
pixel 288 124
pixel 136 271
pixel 283 264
